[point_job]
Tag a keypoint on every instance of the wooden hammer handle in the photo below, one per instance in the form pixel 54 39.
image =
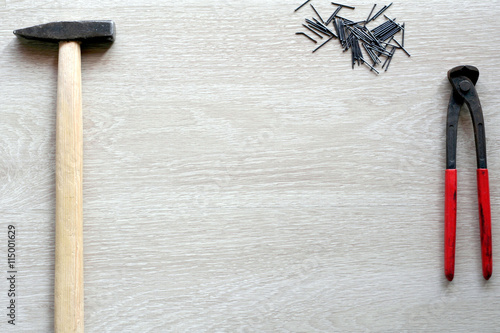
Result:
pixel 68 291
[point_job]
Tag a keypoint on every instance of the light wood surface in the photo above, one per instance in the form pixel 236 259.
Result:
pixel 236 182
pixel 68 287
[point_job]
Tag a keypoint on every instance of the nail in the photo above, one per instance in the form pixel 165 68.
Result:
pixel 301 5
pixel 303 33
pixel 316 49
pixel 317 14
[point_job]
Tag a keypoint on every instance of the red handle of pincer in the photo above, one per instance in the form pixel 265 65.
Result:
pixel 450 222
pixel 483 198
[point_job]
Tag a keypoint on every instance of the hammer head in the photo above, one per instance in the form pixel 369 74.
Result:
pixel 84 31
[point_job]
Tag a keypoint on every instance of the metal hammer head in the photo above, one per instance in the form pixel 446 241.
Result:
pixel 93 31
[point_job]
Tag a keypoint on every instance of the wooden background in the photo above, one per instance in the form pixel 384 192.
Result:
pixel 236 182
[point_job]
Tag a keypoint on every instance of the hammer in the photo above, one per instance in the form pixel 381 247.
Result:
pixel 68 290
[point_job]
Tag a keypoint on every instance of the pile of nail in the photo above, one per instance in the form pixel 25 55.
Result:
pixel 378 43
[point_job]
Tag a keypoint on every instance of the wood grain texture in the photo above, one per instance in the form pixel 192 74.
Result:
pixel 68 284
pixel 236 182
